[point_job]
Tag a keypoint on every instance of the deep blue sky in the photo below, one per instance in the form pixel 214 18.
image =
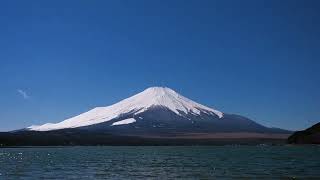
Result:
pixel 260 58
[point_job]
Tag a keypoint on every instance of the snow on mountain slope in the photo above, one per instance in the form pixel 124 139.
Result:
pixel 154 96
pixel 126 121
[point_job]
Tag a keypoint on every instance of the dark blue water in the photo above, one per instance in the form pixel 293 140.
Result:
pixel 197 162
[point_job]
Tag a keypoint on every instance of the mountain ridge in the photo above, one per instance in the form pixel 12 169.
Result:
pixel 154 111
pixel 151 97
pixel 156 116
pixel 310 135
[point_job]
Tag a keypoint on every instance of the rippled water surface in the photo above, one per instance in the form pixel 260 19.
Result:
pixel 171 162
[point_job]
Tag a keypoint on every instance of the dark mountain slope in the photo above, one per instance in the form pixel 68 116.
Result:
pixel 308 136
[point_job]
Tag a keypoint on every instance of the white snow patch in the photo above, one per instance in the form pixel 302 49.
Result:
pixel 154 96
pixel 122 122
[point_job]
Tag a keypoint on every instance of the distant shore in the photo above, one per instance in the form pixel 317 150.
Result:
pixel 80 138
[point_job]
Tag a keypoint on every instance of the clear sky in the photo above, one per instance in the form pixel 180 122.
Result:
pixel 260 59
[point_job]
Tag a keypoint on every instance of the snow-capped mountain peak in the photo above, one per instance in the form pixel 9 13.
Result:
pixel 166 97
pixel 151 97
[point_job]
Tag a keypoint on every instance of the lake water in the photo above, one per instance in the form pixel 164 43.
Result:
pixel 170 162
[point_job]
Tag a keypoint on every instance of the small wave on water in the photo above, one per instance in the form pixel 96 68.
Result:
pixel 161 162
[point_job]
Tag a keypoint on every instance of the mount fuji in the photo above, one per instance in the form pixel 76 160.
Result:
pixel 157 110
pixel 157 115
